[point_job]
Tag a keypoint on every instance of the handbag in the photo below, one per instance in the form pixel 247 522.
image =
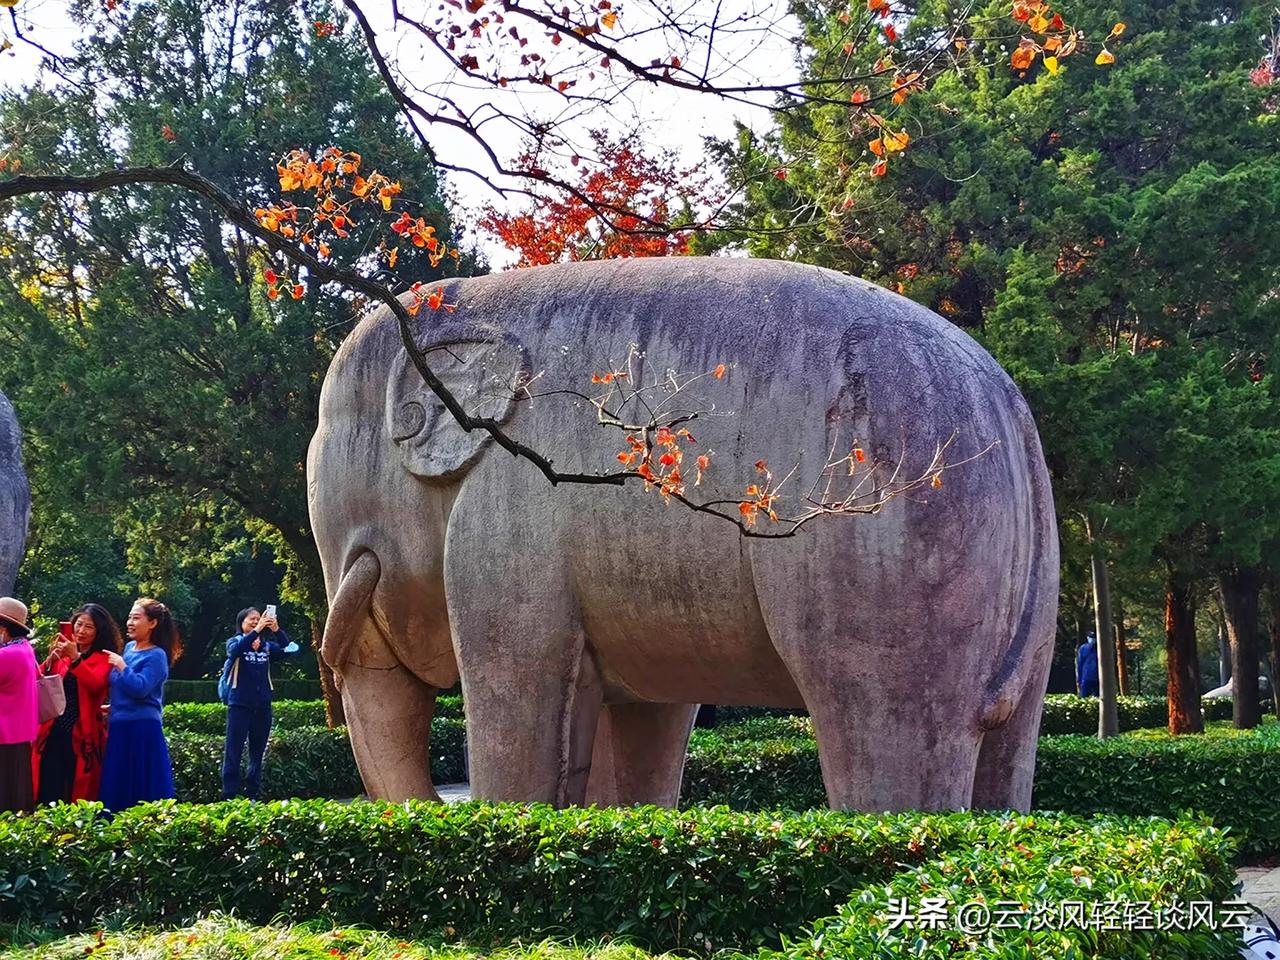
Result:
pixel 52 697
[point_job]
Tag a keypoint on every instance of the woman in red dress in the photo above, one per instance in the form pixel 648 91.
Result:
pixel 69 748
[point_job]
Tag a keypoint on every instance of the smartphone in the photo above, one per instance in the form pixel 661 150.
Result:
pixel 64 630
pixel 270 612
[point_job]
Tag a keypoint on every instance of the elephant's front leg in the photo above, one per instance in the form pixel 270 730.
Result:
pixel 389 713
pixel 530 684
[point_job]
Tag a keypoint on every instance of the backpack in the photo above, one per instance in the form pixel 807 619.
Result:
pixel 229 679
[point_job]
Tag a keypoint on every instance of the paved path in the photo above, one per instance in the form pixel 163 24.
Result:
pixel 1262 889
pixel 454 792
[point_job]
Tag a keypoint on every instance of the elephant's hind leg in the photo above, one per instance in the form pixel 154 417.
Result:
pixel 639 754
pixel 891 690
pixel 1007 761
pixel 389 713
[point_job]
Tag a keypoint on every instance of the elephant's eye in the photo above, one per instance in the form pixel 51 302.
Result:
pixel 411 417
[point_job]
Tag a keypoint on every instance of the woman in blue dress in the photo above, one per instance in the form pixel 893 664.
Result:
pixel 136 766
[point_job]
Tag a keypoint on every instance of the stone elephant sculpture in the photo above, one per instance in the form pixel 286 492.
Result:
pixel 15 498
pixel 587 622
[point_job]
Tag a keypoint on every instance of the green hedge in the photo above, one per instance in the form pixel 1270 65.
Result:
pixel 206 691
pixel 765 763
pixel 303 762
pixel 200 717
pixel 1063 714
pixel 1067 713
pixel 698 880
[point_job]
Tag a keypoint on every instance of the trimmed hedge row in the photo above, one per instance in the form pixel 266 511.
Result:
pixel 189 717
pixel 206 691
pixel 303 762
pixel 1063 713
pixel 765 764
pixel 1067 713
pixel 699 880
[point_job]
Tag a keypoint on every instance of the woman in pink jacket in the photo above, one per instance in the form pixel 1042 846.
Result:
pixel 18 707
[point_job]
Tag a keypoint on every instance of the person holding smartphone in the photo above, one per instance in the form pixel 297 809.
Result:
pixel 136 766
pixel 70 747
pixel 257 643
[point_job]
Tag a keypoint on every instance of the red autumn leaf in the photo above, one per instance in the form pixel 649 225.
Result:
pixel 167 132
pixel 880 169
pixel 890 34
pixel 298 291
pixel 859 96
pixel 270 277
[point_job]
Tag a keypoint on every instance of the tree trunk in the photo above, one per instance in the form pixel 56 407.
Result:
pixel 1184 663
pixel 1273 630
pixel 1122 657
pixel 1108 717
pixel 333 711
pixel 1224 649
pixel 1240 587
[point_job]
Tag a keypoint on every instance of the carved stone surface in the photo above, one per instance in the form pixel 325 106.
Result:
pixel 585 622
pixel 15 498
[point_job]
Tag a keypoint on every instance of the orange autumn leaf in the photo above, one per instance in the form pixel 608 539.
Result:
pixel 610 20
pixel 761 466
pixel 896 142
pixel 848 48
pixel 1023 57
pixel 272 293
pixel 859 96
pixel 877 147
pixel 859 455
pixel 937 481
pixel 1118 29
pixel 1039 23
pixel 719 371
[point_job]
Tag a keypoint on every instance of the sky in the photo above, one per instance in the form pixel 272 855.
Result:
pixel 659 115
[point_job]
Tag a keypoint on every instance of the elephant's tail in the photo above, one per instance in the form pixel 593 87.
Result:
pixel 1035 626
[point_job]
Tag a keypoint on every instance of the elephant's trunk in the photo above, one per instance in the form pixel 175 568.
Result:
pixel 351 605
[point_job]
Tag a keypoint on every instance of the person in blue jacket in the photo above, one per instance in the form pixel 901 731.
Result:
pixel 249 654
pixel 1087 667
pixel 136 765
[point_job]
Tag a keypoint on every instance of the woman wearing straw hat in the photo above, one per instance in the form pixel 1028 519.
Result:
pixel 18 707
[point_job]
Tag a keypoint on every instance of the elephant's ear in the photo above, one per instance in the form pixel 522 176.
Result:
pixel 483 375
